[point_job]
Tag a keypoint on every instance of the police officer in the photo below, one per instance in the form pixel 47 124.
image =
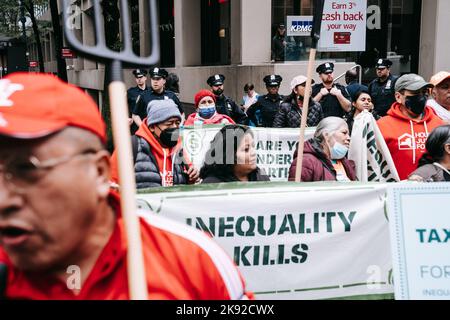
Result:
pixel 158 80
pixel 382 89
pixel 333 97
pixel 263 111
pixel 133 93
pixel 224 104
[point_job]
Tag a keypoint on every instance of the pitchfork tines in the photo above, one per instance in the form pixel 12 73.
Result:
pixel 100 51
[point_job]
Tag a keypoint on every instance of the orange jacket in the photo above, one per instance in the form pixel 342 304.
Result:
pixel 163 156
pixel 406 137
pixel 180 263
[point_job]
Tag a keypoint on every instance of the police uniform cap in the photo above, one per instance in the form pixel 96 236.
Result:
pixel 383 63
pixel 139 73
pixel 216 80
pixel 158 73
pixel 326 67
pixel 272 80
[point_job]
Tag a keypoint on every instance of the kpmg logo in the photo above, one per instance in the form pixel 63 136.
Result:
pixel 301 26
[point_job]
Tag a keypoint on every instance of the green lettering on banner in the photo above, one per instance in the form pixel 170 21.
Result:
pixel 266 255
pixel 347 221
pixel 251 227
pixel 264 232
pixel 240 255
pixel 301 224
pixel 316 222
pixel 287 225
pixel 300 253
pixel 330 216
pixel 292 145
pixel 223 227
pixel 280 253
pixel 421 233
pixel 256 256
pixel 434 236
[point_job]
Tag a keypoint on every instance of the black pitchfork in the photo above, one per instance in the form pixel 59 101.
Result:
pixel 119 114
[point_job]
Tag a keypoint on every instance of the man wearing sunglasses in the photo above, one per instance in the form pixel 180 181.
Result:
pixel 61 231
pixel 408 123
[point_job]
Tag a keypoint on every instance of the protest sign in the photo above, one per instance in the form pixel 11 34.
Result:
pixel 420 240
pixel 274 147
pixel 291 241
pixel 369 151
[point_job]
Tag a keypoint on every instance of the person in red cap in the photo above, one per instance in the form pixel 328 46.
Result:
pixel 62 235
pixel 440 100
pixel 206 112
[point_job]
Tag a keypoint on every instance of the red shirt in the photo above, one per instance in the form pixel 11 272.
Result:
pixel 180 263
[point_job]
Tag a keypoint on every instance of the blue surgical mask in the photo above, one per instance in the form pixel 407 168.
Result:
pixel 338 151
pixel 207 112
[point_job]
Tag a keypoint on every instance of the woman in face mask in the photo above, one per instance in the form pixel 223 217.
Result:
pixel 206 112
pixel 324 155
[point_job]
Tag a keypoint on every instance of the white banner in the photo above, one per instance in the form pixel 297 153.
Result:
pixel 292 241
pixel 275 147
pixel 343 26
pixel 420 239
pixel 369 151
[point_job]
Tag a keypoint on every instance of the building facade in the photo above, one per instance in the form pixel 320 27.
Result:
pixel 233 37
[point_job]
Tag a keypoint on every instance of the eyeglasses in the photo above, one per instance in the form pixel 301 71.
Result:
pixel 20 174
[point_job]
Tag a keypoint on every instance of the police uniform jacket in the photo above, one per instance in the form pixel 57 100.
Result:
pixel 145 98
pixel 383 94
pixel 226 106
pixel 268 107
pixel 330 104
pixel 132 95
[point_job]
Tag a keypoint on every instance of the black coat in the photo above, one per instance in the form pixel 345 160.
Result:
pixel 226 106
pixel 289 115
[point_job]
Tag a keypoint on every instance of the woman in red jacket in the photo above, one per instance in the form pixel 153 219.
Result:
pixel 205 111
pixel 324 155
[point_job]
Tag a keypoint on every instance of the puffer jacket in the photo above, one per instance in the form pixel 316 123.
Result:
pixel 154 165
pixel 317 166
pixel 289 115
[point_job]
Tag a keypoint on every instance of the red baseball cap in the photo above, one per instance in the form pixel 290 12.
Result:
pixel 36 105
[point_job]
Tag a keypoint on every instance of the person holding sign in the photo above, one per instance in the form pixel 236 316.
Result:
pixel 62 229
pixel 362 101
pixel 324 157
pixel 434 166
pixel 232 157
pixel 333 97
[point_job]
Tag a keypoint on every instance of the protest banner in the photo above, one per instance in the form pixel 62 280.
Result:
pixel 343 26
pixel 369 151
pixel 420 240
pixel 274 147
pixel 289 240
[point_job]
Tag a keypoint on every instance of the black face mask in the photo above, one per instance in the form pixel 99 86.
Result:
pixel 169 137
pixel 218 92
pixel 416 103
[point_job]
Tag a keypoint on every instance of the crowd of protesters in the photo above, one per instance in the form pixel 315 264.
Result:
pixel 407 109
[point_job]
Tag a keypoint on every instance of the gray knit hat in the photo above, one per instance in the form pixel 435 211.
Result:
pixel 159 111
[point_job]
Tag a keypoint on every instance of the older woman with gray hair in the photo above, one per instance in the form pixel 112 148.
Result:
pixel 324 155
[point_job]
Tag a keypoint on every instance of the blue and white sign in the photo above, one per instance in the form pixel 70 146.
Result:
pixel 420 240
pixel 299 26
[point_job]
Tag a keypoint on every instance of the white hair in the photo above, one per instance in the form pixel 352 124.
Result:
pixel 328 125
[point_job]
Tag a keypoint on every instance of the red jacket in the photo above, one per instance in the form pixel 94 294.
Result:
pixel 180 263
pixel 406 137
pixel 217 118
pixel 317 167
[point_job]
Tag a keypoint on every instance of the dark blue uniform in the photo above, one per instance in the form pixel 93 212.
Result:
pixel 132 95
pixel 226 106
pixel 383 94
pixel 330 104
pixel 267 106
pixel 145 98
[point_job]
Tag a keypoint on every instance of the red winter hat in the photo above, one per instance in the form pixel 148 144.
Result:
pixel 201 94
pixel 36 105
